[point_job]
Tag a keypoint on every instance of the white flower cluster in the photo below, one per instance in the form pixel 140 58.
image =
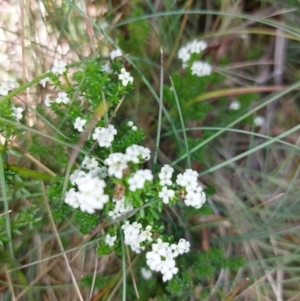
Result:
pixel 161 258
pixel 106 68
pixel 135 153
pixel 198 68
pixel 62 97
pixel 165 176
pixel 110 240
pixel 139 178
pixel 115 53
pixel 91 164
pixel 134 235
pixel 120 208
pixel 6 87
pixel 125 77
pixel 117 162
pixel 195 195
pixel 17 112
pixel 89 195
pixel 105 136
pixel 201 68
pixel 186 51
pixel 59 67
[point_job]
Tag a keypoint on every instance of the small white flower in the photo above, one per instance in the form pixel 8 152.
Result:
pixel 120 209
pixel 114 214
pixel 130 123
pixel 146 234
pixel 138 179
pixel 137 248
pixel 59 67
pixel 90 192
pixel 137 226
pixel 89 163
pixel 175 249
pixel 103 172
pixel 183 246
pixel 79 123
pixel 201 68
pixel 112 129
pixel 132 236
pixel 116 163
pixel 188 178
pixel 184 54
pixel 115 53
pixel 168 269
pixel 135 153
pixel 235 105
pixel 71 198
pixel 186 51
pixel 44 81
pixel 167 169
pixel 91 195
pixel 17 112
pixel 110 240
pixel 153 261
pixel 146 274
pixel 195 197
pixel 166 194
pixel 100 172
pixel 48 100
pixel 134 128
pixel 62 97
pixel 121 206
pixel 78 173
pixel 125 77
pixel 106 68
pixel 12 85
pixel 165 175
pixel 196 46
pixel 6 87
pixel 259 120
pixel 161 247
pixel 105 136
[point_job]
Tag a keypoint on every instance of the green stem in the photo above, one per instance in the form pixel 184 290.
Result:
pixel 182 125
pixel 123 265
pixel 6 208
pixel 160 110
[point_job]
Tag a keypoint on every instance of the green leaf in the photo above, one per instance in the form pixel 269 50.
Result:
pixel 142 213
pixel 103 249
pixel 154 213
pixel 160 207
pixel 15 152
pixel 28 172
